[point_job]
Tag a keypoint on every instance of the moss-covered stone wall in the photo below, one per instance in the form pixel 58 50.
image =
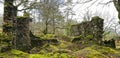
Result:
pixel 93 28
pixel 22 39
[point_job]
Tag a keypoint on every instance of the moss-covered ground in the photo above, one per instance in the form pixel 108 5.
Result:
pixel 65 49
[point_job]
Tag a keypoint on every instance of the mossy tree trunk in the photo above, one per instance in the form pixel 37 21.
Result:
pixel 10 13
pixel 8 17
pixel 18 28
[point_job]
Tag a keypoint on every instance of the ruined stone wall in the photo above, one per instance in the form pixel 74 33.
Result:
pixel 22 39
pixel 98 25
pixel 93 28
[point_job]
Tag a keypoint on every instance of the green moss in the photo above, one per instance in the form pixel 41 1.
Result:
pixel 80 36
pixel 103 49
pixel 96 18
pixel 56 55
pixel 63 55
pixel 53 47
pixel 98 52
pixel 47 49
pixel 26 14
pixel 61 51
pixel 3 36
pixel 90 53
pixel 17 52
pixel 22 17
pixel 64 44
pixel 8 25
pixel 38 56
pixel 14 54
pixel 48 36
pixel 89 37
pixel 5 40
pixel 96 56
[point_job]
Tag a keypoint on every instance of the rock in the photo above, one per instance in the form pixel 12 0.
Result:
pixel 5 48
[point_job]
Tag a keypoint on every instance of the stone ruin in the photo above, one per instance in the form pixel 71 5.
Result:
pixel 117 43
pixel 109 43
pixel 22 39
pixel 93 28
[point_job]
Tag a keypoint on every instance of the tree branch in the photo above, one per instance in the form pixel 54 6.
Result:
pixel 29 7
pixel 106 3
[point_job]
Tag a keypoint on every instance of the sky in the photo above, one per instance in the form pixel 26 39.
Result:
pixel 100 10
pixel 107 12
pixel 1 9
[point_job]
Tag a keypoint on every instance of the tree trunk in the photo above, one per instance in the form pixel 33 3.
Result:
pixel 53 23
pixel 8 17
pixel 46 27
pixel 18 28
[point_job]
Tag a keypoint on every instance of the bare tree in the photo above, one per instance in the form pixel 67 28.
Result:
pixel 49 14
